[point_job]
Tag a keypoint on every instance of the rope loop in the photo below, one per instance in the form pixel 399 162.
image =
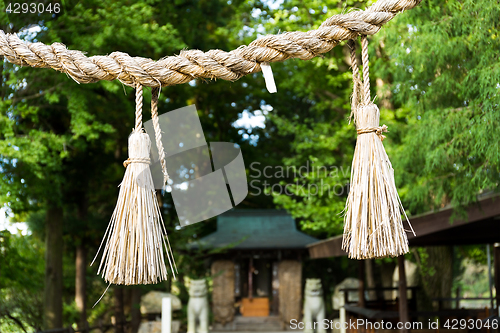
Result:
pixel 361 90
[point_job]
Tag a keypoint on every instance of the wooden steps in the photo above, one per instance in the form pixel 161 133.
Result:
pixel 255 307
pixel 251 324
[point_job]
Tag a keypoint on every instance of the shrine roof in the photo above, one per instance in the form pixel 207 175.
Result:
pixel 249 229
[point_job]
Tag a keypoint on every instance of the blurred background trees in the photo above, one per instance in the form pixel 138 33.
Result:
pixel 435 72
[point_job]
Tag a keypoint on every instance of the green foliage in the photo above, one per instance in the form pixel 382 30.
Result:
pixel 443 63
pixel 21 290
pixel 474 253
pixel 471 274
pixel 423 258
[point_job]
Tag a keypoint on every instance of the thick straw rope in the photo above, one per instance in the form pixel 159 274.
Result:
pixel 190 64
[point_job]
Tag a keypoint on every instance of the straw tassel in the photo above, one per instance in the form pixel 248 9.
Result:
pixel 373 226
pixel 136 236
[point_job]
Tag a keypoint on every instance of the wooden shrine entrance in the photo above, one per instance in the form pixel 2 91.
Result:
pixel 260 276
pixel 256 294
pixel 256 287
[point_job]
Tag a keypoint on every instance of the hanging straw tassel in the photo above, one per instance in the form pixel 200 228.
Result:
pixel 373 226
pixel 136 235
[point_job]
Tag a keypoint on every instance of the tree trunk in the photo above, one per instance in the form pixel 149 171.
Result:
pixel 370 279
pixel 386 274
pixel 135 310
pixel 80 285
pixel 119 310
pixel 435 267
pixel 52 309
pixel 361 277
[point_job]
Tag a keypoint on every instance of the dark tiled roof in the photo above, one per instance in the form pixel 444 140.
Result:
pixel 255 229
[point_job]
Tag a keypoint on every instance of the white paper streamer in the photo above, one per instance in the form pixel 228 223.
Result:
pixel 268 77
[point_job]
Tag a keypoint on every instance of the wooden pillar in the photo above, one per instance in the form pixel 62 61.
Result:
pixel 250 278
pixel 275 289
pixel 496 254
pixel 403 299
pixel 290 290
pixel 223 291
pixel 370 279
pixel 361 277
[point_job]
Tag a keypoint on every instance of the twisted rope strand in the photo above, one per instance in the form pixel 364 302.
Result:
pixel 366 70
pixel 213 64
pixel 356 80
pixel 138 124
pixel 138 107
pixel 156 125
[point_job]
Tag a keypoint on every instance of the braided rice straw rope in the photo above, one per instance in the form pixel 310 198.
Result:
pixel 373 225
pixel 214 64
